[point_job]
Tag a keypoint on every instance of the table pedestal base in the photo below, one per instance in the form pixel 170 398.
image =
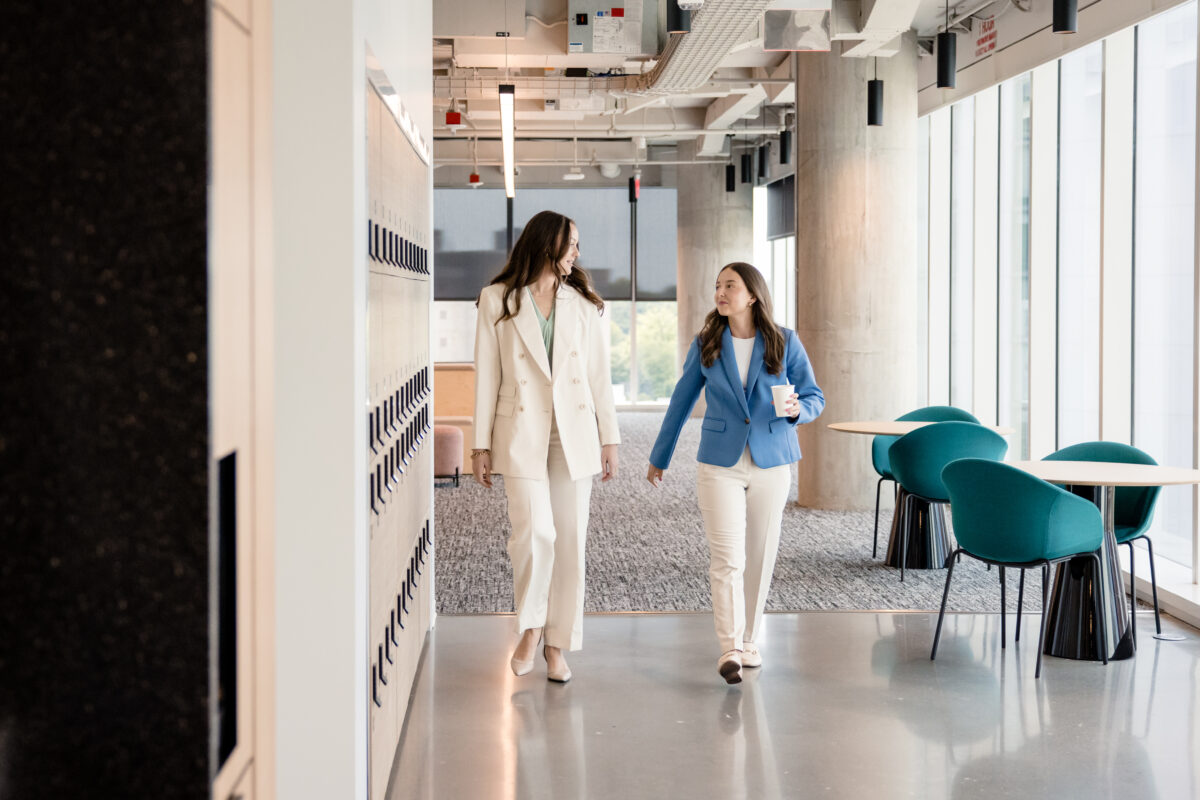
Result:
pixel 928 541
pixel 1070 629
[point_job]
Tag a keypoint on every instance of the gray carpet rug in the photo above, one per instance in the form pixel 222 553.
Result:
pixel 646 548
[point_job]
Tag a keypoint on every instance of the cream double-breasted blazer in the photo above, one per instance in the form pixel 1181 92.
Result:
pixel 517 388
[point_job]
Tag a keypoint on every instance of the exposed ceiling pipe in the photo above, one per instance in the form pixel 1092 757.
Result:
pixel 606 133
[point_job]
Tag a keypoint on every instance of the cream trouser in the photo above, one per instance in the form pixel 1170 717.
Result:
pixel 742 507
pixel 549 520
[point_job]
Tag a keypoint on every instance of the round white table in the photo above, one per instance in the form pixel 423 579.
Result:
pixel 928 540
pixel 1069 630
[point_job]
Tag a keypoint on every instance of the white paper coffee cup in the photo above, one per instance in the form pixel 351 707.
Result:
pixel 780 395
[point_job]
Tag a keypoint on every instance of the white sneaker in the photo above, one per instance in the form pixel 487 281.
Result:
pixel 730 666
pixel 751 659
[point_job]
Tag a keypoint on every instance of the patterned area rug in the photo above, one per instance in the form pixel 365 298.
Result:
pixel 646 548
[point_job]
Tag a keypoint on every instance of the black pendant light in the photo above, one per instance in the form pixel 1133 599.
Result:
pixel 678 20
pixel 875 98
pixel 763 155
pixel 730 178
pixel 785 146
pixel 947 43
pixel 747 167
pixel 1064 16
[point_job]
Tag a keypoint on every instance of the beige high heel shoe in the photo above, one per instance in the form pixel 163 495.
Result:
pixel 520 667
pixel 558 676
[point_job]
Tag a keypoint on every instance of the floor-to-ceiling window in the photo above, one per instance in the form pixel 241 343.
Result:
pixel 470 243
pixel 922 342
pixel 1013 273
pixel 962 252
pixel 1081 80
pixel 775 244
pixel 1164 202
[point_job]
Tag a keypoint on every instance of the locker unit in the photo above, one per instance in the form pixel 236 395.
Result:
pixel 399 422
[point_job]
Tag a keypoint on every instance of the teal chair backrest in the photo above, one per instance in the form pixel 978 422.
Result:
pixel 917 458
pixel 1004 514
pixel 880 444
pixel 1133 505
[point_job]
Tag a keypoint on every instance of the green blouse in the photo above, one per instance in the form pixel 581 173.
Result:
pixel 547 326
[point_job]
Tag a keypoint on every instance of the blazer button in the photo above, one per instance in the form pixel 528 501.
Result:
pixel 522 408
pixel 747 420
pixel 520 355
pixel 582 406
pixel 574 353
pixel 522 381
pixel 575 381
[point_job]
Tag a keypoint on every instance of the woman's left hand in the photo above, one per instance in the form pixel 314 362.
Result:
pixel 792 407
pixel 608 462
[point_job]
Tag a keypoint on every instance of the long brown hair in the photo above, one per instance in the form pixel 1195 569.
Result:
pixel 764 321
pixel 546 239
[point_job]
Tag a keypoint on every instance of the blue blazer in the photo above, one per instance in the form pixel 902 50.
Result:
pixel 735 417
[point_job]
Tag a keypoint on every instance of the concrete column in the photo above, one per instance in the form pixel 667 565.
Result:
pixel 856 254
pixel 715 227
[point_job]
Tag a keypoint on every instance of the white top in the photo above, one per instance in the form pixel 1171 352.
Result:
pixel 742 350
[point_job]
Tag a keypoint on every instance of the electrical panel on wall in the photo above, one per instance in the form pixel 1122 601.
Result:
pixel 626 27
pixel 399 419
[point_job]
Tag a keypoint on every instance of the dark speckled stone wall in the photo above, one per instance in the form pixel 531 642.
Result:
pixel 103 428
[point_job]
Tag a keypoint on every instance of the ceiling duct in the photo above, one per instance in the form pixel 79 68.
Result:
pixel 688 60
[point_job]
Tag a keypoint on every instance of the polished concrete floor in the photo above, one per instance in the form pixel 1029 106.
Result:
pixel 847 705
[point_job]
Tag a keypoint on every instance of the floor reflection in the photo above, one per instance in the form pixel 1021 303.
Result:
pixel 847 705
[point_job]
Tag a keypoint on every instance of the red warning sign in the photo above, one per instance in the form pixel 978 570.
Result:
pixel 985 42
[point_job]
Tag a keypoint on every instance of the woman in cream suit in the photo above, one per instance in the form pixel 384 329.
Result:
pixel 545 420
pixel 745 451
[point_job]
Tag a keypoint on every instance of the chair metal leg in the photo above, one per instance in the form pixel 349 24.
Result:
pixel 1153 584
pixel 875 540
pixel 1045 619
pixel 937 635
pixel 1003 611
pixel 1020 601
pixel 905 524
pixel 1132 595
pixel 1098 601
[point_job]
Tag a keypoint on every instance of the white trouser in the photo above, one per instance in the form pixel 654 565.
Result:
pixel 549 520
pixel 743 510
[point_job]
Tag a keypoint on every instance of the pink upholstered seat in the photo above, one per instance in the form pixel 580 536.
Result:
pixel 447 452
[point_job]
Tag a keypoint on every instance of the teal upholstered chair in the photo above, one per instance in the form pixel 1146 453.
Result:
pixel 880 445
pixel 1133 508
pixel 917 460
pixel 1007 517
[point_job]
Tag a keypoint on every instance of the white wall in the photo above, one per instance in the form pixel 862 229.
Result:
pixel 320 381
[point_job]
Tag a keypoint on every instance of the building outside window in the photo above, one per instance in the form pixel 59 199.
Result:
pixel 470 244
pixel 962 253
pixel 1164 218
pixel 1081 83
pixel 1013 284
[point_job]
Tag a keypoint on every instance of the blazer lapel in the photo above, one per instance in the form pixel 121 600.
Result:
pixel 756 363
pixel 728 359
pixel 527 326
pixel 564 315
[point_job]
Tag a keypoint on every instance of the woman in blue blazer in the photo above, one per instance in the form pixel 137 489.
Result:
pixel 745 449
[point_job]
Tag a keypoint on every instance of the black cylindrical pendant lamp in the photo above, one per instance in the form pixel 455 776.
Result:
pixel 678 20
pixel 747 168
pixel 763 155
pixel 946 45
pixel 785 147
pixel 1064 16
pixel 875 102
pixel 730 178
